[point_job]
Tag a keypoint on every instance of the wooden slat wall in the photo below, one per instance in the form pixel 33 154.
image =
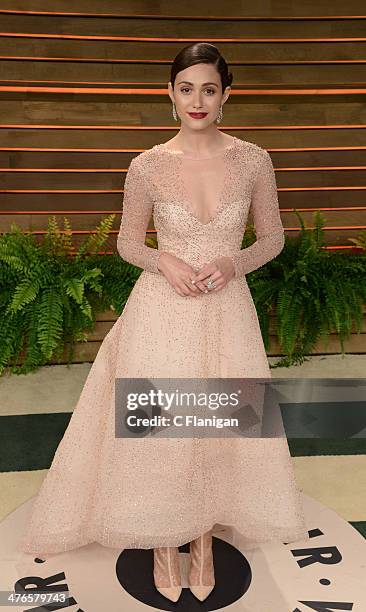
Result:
pixel 299 91
pixel 83 89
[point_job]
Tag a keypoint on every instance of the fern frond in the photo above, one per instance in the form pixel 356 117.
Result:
pixel 24 293
pixel 50 320
pixel 74 287
pixel 95 241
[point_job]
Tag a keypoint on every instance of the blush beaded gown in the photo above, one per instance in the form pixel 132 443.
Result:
pixel 149 493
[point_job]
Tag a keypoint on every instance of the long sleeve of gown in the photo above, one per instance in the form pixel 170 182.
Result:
pixel 136 214
pixel 267 221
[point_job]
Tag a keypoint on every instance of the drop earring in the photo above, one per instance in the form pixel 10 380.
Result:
pixel 219 116
pixel 175 112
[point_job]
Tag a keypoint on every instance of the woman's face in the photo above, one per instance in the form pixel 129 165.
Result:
pixel 197 89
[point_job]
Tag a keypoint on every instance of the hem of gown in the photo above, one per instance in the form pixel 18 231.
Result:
pixel 130 541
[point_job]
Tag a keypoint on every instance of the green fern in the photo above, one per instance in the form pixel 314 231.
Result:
pixel 24 293
pixel 74 287
pixel 49 320
pixel 48 298
pixel 66 239
pixel 95 241
pixel 313 294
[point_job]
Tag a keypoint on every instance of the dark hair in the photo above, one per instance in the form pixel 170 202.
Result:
pixel 201 53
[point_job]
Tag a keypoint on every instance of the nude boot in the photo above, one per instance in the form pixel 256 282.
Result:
pixel 201 573
pixel 167 572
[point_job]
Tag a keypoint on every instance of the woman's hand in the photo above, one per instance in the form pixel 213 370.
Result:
pixel 221 270
pixel 178 273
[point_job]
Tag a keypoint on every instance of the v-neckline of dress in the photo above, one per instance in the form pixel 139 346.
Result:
pixel 181 155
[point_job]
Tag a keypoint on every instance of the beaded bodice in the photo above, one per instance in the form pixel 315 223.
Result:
pixel 200 207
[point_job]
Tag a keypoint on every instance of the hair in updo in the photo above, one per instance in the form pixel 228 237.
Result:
pixel 201 53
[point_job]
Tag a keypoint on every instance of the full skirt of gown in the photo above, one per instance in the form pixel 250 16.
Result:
pixel 145 493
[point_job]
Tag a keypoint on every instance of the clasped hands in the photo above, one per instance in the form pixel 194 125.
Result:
pixel 188 282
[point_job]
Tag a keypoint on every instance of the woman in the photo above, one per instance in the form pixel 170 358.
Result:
pixel 189 315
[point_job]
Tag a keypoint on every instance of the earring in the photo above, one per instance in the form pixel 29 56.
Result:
pixel 219 116
pixel 175 112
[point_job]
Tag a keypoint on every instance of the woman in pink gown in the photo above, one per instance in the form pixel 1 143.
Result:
pixel 162 493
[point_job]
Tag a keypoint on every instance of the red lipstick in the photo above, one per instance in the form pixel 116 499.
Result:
pixel 197 115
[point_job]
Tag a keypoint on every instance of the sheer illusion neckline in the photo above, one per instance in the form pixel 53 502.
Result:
pixel 185 203
pixel 185 156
